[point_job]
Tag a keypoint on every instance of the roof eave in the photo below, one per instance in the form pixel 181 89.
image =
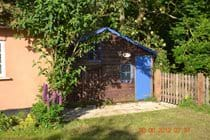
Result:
pixel 103 29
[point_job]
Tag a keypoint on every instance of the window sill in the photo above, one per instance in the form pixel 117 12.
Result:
pixel 126 81
pixel 5 79
pixel 94 61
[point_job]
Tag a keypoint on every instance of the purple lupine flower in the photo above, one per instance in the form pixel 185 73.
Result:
pixel 54 97
pixel 60 100
pixel 57 98
pixel 48 100
pixel 45 92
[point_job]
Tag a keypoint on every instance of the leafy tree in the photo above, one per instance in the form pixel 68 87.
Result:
pixel 144 21
pixel 6 8
pixel 57 27
pixel 192 38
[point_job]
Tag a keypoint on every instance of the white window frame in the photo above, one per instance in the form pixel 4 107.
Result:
pixel 131 73
pixel 3 63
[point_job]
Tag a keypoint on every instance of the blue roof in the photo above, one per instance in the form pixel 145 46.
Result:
pixel 104 29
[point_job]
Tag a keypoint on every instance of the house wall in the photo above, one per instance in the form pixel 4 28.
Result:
pixel 22 82
pixel 102 79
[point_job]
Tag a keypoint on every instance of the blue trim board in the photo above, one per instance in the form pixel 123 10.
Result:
pixel 104 29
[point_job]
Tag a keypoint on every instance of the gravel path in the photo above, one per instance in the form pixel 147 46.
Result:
pixel 109 110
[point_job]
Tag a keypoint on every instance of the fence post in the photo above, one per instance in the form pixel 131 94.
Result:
pixel 207 90
pixel 157 84
pixel 200 89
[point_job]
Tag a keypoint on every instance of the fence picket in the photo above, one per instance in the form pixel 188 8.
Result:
pixel 163 76
pixel 207 90
pixel 175 87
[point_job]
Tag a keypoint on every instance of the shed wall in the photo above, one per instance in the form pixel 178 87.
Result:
pixel 104 77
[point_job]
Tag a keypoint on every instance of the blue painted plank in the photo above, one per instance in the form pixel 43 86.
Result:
pixel 143 77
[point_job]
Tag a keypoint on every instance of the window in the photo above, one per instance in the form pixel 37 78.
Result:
pixel 95 55
pixel 2 59
pixel 126 73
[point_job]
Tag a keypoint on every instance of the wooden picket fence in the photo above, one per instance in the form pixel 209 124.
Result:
pixel 207 90
pixel 173 88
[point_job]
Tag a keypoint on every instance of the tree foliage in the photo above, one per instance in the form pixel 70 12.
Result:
pixel 178 30
pixel 6 9
pixel 144 21
pixel 57 26
pixel 192 38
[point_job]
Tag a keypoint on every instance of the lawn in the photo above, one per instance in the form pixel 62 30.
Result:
pixel 177 123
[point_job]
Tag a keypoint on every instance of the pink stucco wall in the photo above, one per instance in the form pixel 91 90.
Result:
pixel 20 91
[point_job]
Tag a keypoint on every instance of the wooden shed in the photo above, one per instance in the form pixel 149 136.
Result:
pixel 119 70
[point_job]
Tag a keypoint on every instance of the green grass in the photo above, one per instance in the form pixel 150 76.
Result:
pixel 125 127
pixel 190 103
pixel 153 99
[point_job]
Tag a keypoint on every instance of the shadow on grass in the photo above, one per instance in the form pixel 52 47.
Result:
pixel 55 136
pixel 94 133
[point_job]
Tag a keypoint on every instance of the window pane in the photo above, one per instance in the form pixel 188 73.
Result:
pixel 92 55
pixel 95 54
pixel 125 76
pixel 125 68
pixel 125 73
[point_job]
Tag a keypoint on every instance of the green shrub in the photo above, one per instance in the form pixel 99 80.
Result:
pixel 7 122
pixel 150 99
pixel 47 116
pixel 108 102
pixel 188 102
pixel 22 115
pixel 29 121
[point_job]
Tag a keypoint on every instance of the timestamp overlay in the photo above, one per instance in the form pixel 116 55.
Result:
pixel 164 130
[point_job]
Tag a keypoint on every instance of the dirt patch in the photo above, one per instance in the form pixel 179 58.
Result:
pixel 109 110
